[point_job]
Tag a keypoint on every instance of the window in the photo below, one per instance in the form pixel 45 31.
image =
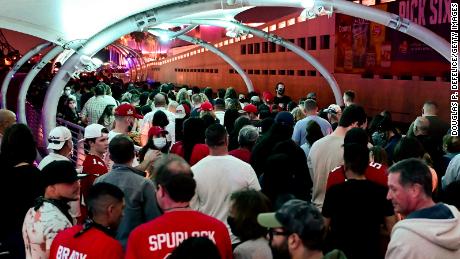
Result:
pixel 282 72
pixel 324 41
pixel 312 43
pixel 264 47
pixel 250 71
pixel 257 72
pixel 290 72
pixel 301 43
pixel 256 48
pixel 243 49
pixel 216 71
pixel 272 47
pixel 231 71
pixel 265 72
pixel 272 72
pixel 311 72
pixel 206 70
pixel 250 49
pixel 281 48
pixel 300 72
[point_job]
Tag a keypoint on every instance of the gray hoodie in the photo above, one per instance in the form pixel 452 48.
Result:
pixel 420 238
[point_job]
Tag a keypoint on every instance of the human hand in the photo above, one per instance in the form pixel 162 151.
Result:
pixel 152 155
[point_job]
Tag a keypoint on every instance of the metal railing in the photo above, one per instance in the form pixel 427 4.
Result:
pixel 78 154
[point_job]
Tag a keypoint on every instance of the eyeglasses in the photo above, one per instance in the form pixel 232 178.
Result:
pixel 272 232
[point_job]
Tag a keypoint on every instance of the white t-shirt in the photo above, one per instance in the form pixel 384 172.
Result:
pixel 220 115
pixel 51 157
pixel 147 123
pixel 325 155
pixel 217 177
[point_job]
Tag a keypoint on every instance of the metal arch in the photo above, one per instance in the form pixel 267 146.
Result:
pixel 139 58
pixel 17 66
pixel 216 51
pixel 287 44
pixel 28 80
pixel 137 22
pixel 124 52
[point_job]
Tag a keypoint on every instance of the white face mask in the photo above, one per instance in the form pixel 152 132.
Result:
pixel 67 92
pixel 159 142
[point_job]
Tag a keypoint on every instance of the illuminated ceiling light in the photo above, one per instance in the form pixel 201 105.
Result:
pixel 307 4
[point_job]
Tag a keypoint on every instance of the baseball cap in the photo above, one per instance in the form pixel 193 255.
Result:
pixel 127 109
pixel 255 98
pixel 285 118
pixel 206 106
pixel 155 130
pixel 250 108
pixel 58 136
pixel 295 216
pixel 180 112
pixel 60 172
pixel 93 131
pixel 268 97
pixel 334 109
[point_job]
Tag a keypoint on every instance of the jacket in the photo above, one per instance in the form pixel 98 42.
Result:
pixel 421 238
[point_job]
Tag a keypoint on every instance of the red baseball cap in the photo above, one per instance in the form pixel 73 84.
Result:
pixel 156 130
pixel 206 106
pixel 268 97
pixel 127 109
pixel 250 108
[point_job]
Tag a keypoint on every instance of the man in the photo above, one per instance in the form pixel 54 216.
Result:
pixel 349 98
pixel 438 128
pixel 334 112
pixel 327 153
pixel 252 112
pixel 159 237
pixel 7 118
pixel 300 129
pixel 159 102
pixel 141 205
pixel 297 231
pixel 428 230
pixel 280 99
pixel 96 138
pixel 219 175
pixel 125 119
pixel 51 212
pixel 355 209
pixel 247 138
pixel 95 106
pixel 95 238
pixel 219 110
pixel 60 144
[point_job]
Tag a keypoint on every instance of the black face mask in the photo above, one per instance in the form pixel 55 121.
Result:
pixel 280 91
pixel 231 222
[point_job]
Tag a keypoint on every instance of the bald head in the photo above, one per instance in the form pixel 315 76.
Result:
pixel 159 100
pixel 430 108
pixel 7 118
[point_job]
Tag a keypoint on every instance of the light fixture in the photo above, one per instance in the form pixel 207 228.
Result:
pixel 234 32
pixel 307 4
pixel 315 11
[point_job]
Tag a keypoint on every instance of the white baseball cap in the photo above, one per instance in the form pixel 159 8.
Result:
pixel 58 136
pixel 93 131
pixel 180 112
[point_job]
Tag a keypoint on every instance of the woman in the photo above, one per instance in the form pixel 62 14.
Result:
pixel 298 114
pixel 157 140
pixel 313 134
pixel 242 219
pixel 108 117
pixel 18 153
pixel 192 147
pixel 69 112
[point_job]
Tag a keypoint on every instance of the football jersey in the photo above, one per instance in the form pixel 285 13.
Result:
pixel 159 237
pixel 375 172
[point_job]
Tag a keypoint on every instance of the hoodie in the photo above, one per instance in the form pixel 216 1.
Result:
pixel 421 238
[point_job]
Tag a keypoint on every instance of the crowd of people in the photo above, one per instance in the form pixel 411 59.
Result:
pixel 179 172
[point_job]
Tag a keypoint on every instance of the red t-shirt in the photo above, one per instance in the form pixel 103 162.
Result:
pixel 199 151
pixel 94 166
pixel 375 172
pixel 92 244
pixel 242 154
pixel 159 237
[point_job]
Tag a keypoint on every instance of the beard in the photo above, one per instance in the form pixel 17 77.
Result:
pixel 281 251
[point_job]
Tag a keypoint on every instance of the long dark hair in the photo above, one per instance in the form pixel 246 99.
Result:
pixel 18 145
pixel 194 129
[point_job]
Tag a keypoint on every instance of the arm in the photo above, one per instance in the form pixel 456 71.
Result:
pixel 296 133
pixel 389 223
pixel 150 201
pixel 150 157
pixel 253 182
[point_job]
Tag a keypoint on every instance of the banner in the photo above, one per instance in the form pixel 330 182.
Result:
pixel 367 47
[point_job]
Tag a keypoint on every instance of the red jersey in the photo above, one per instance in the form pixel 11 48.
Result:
pixel 159 237
pixel 242 154
pixel 94 166
pixel 375 172
pixel 94 243
pixel 199 151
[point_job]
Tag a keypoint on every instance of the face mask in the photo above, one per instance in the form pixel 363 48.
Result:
pixel 231 222
pixel 280 91
pixel 67 92
pixel 159 142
